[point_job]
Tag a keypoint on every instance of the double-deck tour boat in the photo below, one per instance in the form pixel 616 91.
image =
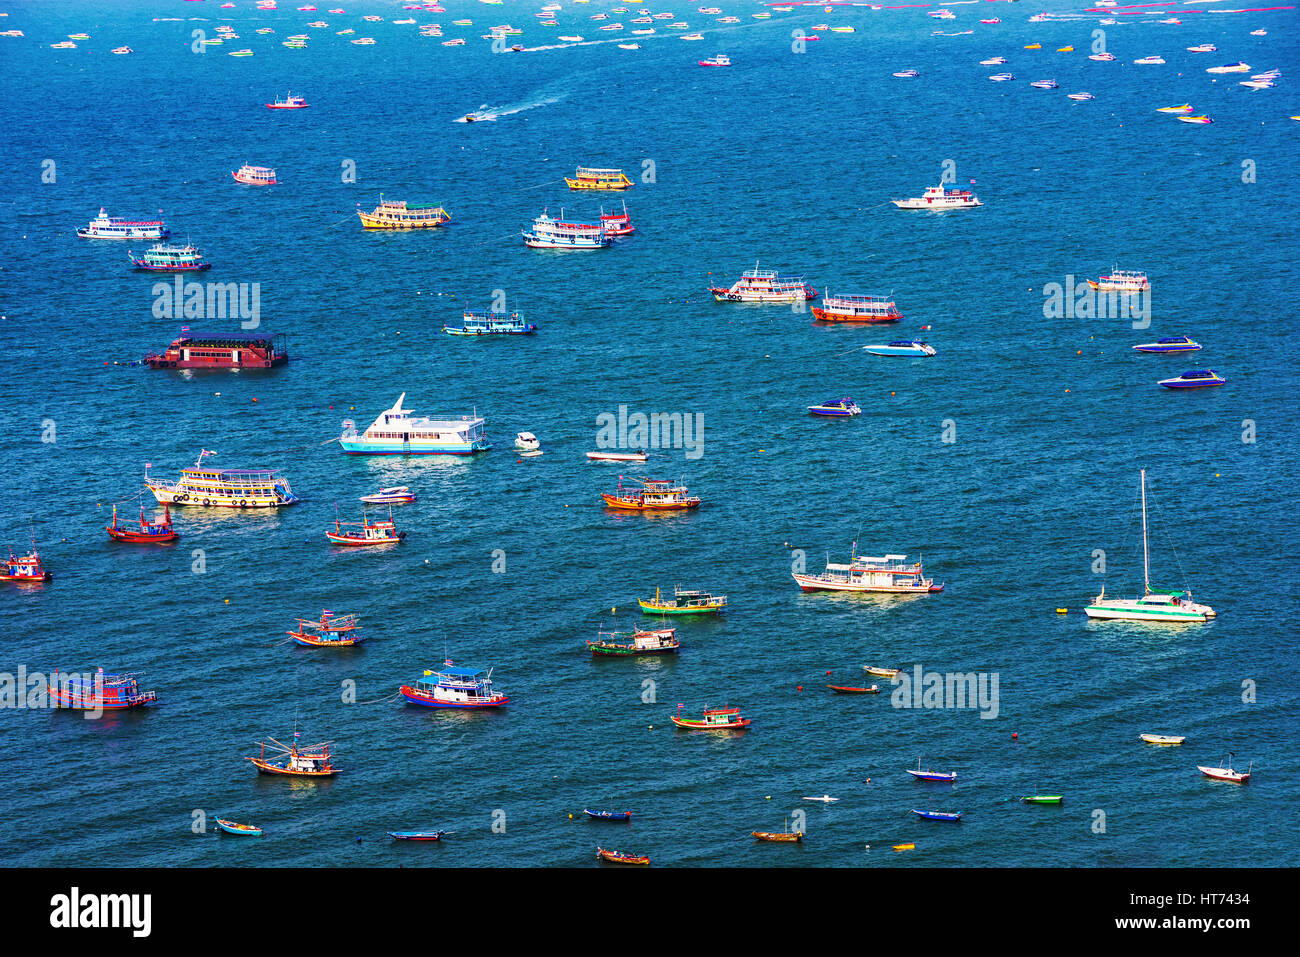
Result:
pixel 940 197
pixel 659 641
pixel 764 285
pixel 836 408
pixel 365 533
pixel 397 432
pixel 293 760
pixel 222 488
pixel 24 569
pixel 713 719
pixel 399 214
pixel 889 573
pixel 1170 344
pixel 604 179
pixel 104 226
pixel 240 350
pixel 1122 280
pixel 107 692
pixel 254 175
pixel 290 102
pixel 146 533
pixel 454 688
pixel 617 224
pixel 856 309
pixel 165 258
pixel 393 495
pixel 331 631
pixel 1175 606
pixel 685 601
pixel 549 233
pixel 653 495
pixel 1194 379
pixel 491 324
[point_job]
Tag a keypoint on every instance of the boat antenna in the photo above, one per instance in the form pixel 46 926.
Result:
pixel 1146 563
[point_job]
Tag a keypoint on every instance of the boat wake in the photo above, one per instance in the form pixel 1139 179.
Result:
pixel 487 113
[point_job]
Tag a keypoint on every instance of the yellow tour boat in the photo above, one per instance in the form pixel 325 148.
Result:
pixel 398 214
pixel 586 178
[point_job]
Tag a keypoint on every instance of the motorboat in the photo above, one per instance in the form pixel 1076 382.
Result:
pixel 901 347
pixel 1194 379
pixel 1169 344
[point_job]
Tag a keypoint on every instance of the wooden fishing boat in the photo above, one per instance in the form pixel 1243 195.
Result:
pixel 616 857
pixel 847 689
pixel 332 631
pixel 683 602
pixel 307 762
pixel 99 692
pixel 954 816
pixel 417 835
pixel 369 533
pixel 1042 799
pixel 24 569
pixel 240 830
pixel 714 719
pixel 661 641
pixel 782 837
pixel 1225 773
pixel 608 815
pixel 654 495
pixel 881 672
pixel 147 533
pixel 1165 739
pixel 931 775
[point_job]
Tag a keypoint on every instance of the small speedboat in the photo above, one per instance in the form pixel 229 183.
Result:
pixel 618 857
pixel 527 444
pixel 1042 799
pixel 618 456
pixel 481 115
pixel 824 799
pixel 1195 379
pixel 395 495
pixel 608 815
pixel 1169 344
pixel 1080 96
pixel 907 73
pixel 938 815
pixel 1102 57
pixel 994 61
pixel 1002 77
pixel 1150 61
pixel 1202 48
pixel 1162 739
pixel 1222 773
pixel 881 672
pixel 1238 67
pixel 1181 108
pixel 836 408
pixel 416 835
pixel 720 60
pixel 1259 33
pixel 903 347
pixel 1045 84
pixel 1203 120
pixel 241 830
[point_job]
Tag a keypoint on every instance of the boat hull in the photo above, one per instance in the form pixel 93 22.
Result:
pixel 266 767
pixel 1114 613
pixel 846 689
pixel 239 830
pixel 139 538
pixel 416 835
pixel 653 608
pixel 349 541
pixel 779 837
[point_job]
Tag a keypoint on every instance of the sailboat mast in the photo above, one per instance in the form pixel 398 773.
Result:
pixel 1146 562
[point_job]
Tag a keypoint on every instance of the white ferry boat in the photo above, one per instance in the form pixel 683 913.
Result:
pixel 764 285
pixel 104 226
pixel 397 432
pixel 491 324
pixel 889 573
pixel 549 233
pixel 940 197
pixel 1122 280
pixel 222 488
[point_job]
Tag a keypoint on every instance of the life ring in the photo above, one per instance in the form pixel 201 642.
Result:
pixel 207 502
pixel 243 503
pixel 266 364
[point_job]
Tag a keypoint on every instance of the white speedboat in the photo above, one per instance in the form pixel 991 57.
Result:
pixel 907 73
pixel 1202 48
pixel 824 799
pixel 527 444
pixel 940 197
pixel 1102 57
pixel 1150 61
pixel 1081 96
pixel 1045 84
pixel 1002 77
pixel 395 495
pixel 1170 344
pixel 994 61
pixel 618 456
pixel 1238 67
pixel 902 347
pixel 1173 606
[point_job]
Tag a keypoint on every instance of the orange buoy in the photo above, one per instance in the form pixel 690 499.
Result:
pixel 1015 734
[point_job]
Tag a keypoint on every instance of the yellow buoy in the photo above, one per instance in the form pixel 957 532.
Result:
pixel 904 847
pixel 1060 611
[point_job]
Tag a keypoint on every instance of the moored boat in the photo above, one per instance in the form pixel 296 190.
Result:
pixel 849 689
pixel 165 258
pixel 617 857
pixel 836 408
pixel 607 815
pixel 290 102
pixel 396 431
pixel 882 672
pixel 399 214
pixel 913 348
pixel 920 775
pixel 393 495
pixel 222 488
pixel 653 495
pixel 365 533
pixel 642 641
pixel 599 179
pixel 1194 379
pixel 239 830
pixel 617 224
pixel 293 760
pixel 954 816
pixel 641 456
pixel 684 602
pixel 546 232
pixel 527 444
pixel 331 631
pixel 491 324
pixel 1225 773
pixel 1169 344
pixel 1238 67
pixel 147 533
pixel 1162 739
pixel 104 226
pixel 254 175
pixel 1042 799
pixel 871 309
pixel 940 197
pixel 453 687
pixel 1045 84
pixel 888 573
pixel 1122 280
pixel 720 60
pixel 764 285
pixel 242 350
pixel 24 569
pixel 417 835
pixel 779 837
pixel 713 719
pixel 99 692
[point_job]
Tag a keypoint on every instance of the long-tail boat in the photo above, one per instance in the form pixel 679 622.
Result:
pixel 617 857
pixel 849 689
pixel 608 815
pixel 312 761
pixel 148 533
pixel 332 631
pixel 782 837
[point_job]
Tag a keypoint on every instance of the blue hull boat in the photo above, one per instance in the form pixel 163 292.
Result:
pixel 911 347
pixel 836 408
pixel 608 815
pixel 938 815
pixel 1195 379
pixel 240 830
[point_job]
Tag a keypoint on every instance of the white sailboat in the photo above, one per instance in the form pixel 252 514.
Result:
pixel 1152 606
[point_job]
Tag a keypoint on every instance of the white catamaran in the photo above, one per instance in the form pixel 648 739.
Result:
pixel 1152 606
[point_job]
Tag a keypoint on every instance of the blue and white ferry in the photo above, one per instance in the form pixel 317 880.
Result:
pixel 491 324
pixel 398 432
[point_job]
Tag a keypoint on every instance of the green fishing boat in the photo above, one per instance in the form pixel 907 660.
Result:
pixel 662 641
pixel 683 602
pixel 1042 799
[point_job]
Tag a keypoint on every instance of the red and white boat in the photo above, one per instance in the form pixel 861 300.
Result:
pixel 254 175
pixel 764 285
pixel 332 631
pixel 889 573
pixel 290 102
pixel 1223 773
pixel 99 692
pixel 616 224
pixel 720 60
pixel 148 533
pixel 245 351
pixel 367 533
pixel 856 309
pixel 25 569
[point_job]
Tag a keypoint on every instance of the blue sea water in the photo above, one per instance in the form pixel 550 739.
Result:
pixel 786 158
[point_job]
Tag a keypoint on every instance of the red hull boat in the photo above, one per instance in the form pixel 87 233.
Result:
pixel 149 533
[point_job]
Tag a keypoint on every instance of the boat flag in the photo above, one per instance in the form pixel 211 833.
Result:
pixel 925 328
pixel 206 452
pixel 447 663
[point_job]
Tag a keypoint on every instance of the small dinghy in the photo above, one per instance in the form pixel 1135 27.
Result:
pixel 938 815
pixel 618 857
pixel 1225 773
pixel 241 830
pixel 1081 96
pixel 417 835
pixel 1195 379
pixel 782 837
pixel 1162 739
pixel 881 672
pixel 608 815
pixel 396 495
pixel 1169 344
pixel 931 775
pixel 848 689
pixel 1042 799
